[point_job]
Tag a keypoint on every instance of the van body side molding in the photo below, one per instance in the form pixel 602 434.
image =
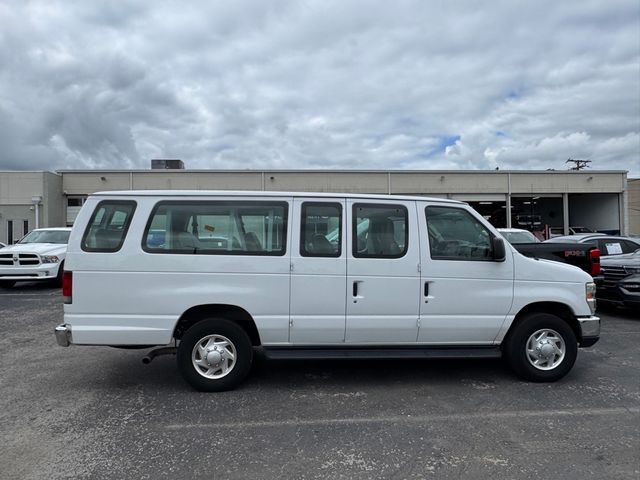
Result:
pixel 313 353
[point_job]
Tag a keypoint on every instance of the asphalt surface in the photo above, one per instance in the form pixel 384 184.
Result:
pixel 98 412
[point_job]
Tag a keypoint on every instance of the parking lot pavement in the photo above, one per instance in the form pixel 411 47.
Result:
pixel 98 412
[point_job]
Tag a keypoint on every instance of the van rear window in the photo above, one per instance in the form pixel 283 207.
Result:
pixel 217 228
pixel 108 226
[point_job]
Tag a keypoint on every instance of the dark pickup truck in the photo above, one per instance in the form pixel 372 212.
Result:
pixel 584 256
pixel 621 285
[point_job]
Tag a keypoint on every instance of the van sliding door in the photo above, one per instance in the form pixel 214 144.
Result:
pixel 318 272
pixel 383 280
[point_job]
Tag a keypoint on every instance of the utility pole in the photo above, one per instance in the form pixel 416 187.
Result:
pixel 578 164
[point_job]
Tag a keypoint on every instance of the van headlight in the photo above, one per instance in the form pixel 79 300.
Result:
pixel 591 296
pixel 50 259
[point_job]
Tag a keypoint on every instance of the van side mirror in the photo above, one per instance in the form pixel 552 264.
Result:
pixel 499 251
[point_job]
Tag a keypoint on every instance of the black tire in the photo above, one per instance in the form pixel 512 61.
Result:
pixel 58 280
pixel 7 283
pixel 515 348
pixel 240 342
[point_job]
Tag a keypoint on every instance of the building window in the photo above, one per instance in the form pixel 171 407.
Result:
pixel 9 232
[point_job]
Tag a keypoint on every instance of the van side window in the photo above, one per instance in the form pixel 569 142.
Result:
pixel 217 228
pixel 321 230
pixel 380 231
pixel 108 226
pixel 454 234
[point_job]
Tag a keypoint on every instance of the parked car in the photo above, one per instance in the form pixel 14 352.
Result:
pixel 559 231
pixel 516 236
pixel 608 244
pixel 519 219
pixel 584 256
pixel 401 277
pixel 621 284
pixel 38 256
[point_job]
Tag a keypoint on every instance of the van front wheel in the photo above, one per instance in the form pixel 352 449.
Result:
pixel 542 348
pixel 214 355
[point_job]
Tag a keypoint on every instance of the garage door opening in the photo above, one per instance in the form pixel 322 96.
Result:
pixel 598 212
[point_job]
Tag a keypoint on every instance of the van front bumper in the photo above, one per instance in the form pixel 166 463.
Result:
pixel 589 330
pixel 63 335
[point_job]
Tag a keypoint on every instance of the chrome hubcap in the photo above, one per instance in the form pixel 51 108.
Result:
pixel 545 349
pixel 214 356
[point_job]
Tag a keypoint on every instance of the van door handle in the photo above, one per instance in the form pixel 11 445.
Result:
pixel 426 289
pixel 355 289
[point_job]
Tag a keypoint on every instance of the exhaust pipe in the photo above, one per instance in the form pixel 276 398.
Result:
pixel 158 351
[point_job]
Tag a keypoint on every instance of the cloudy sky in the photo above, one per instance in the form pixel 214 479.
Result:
pixel 320 84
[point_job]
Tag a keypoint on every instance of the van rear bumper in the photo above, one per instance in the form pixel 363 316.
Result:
pixel 589 330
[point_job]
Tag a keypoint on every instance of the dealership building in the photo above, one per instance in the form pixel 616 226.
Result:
pixel 601 200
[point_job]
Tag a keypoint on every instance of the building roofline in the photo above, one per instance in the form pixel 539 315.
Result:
pixel 31 171
pixel 183 171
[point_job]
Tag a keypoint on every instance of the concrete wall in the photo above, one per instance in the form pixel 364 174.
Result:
pixel 17 213
pixel 77 182
pixel 86 182
pixel 16 190
pixel 568 182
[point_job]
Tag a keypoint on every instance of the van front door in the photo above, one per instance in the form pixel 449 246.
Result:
pixel 318 272
pixel 383 282
pixel 465 293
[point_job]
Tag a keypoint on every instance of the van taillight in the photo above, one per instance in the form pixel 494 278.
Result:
pixel 594 256
pixel 67 286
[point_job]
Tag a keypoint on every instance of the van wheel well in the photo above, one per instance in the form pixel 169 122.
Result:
pixel 230 312
pixel 560 310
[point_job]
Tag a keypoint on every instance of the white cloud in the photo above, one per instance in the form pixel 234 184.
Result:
pixel 313 84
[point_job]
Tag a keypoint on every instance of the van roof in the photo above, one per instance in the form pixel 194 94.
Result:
pixel 259 193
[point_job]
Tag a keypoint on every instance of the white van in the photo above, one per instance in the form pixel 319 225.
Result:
pixel 210 275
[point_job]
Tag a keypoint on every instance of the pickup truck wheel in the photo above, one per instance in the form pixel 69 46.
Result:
pixel 58 280
pixel 214 355
pixel 7 283
pixel 542 348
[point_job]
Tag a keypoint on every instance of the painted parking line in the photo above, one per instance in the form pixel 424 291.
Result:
pixel 633 411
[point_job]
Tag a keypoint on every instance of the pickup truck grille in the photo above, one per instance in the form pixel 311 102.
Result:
pixel 19 259
pixel 612 275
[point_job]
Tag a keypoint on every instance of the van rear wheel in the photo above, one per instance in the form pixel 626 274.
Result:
pixel 542 348
pixel 215 355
